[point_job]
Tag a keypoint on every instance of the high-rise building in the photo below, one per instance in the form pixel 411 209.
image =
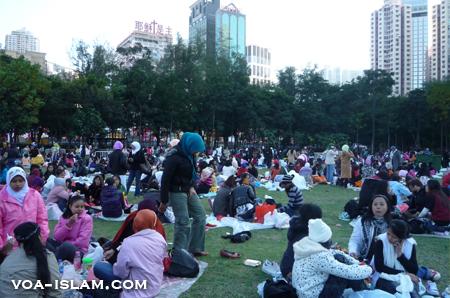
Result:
pixel 391 34
pixel 419 40
pixel 259 61
pixel 440 51
pixel 202 23
pixel 230 30
pixel 338 76
pixel 21 41
pixel 152 36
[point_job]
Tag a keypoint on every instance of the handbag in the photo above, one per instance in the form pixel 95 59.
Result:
pixel 278 289
pixel 181 263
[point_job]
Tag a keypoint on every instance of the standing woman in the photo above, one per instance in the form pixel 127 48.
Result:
pixel 32 262
pixel 177 188
pixel 346 166
pixel 135 160
pixel 19 204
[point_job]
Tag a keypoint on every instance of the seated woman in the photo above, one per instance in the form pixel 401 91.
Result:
pixel 252 170
pixel 298 229
pixel 118 184
pixel 275 170
pixel 19 204
pixel 306 172
pixel 228 169
pixel 368 227
pixel 243 168
pixel 438 203
pixel 206 180
pixel 400 191
pixel 32 262
pixel 418 198
pixel 127 230
pixel 221 202
pixel 112 200
pixel 50 171
pixel 140 257
pixel 75 225
pixel 395 252
pixel 322 272
pixel 35 181
pixel 59 194
pixel 95 190
pixel 242 202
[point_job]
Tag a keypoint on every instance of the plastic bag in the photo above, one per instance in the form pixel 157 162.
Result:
pixel 53 211
pixel 281 220
pixel 95 252
pixel 70 273
pixel 169 214
pixel 271 268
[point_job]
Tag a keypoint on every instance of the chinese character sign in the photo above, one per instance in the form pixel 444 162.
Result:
pixel 153 28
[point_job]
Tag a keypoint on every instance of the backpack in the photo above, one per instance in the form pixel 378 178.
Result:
pixel 181 263
pixel 278 289
pixel 417 226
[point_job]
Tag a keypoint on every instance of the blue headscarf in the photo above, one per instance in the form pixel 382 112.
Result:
pixel 190 143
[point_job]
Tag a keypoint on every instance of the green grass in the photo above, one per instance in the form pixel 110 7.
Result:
pixel 230 278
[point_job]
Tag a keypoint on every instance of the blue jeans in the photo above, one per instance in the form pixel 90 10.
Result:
pixel 330 173
pixel 134 174
pixel 104 271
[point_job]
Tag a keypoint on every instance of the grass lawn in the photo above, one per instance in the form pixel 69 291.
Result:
pixel 230 278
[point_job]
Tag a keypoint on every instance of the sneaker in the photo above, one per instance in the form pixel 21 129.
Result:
pixel 432 288
pixel 422 290
pixel 434 275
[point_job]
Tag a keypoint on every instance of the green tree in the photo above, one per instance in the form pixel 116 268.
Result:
pixel 439 100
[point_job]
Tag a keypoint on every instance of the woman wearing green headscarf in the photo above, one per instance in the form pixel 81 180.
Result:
pixel 177 189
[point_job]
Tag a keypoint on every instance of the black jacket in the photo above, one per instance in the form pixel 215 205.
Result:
pixel 241 195
pixel 297 230
pixel 117 164
pixel 138 159
pixel 177 175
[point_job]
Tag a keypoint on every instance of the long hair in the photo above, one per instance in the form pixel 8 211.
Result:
pixel 400 228
pixel 369 214
pixel 67 212
pixel 435 189
pixel 27 234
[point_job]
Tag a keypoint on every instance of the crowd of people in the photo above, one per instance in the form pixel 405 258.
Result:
pixel 397 194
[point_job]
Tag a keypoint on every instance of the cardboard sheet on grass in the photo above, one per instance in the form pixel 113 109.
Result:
pixel 173 287
pixel 275 220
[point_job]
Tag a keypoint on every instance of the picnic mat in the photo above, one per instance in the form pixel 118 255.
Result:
pixel 173 287
pixel 122 218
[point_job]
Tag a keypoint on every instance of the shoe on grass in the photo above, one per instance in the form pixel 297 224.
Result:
pixel 229 254
pixel 432 288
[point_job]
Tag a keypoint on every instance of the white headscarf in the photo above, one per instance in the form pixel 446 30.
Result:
pixel 136 146
pixel 19 195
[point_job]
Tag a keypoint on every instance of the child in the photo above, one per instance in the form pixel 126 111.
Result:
pixel 294 194
pixel 322 272
pixel 394 253
pixel 75 225
pixel 298 229
pixel 95 189
pixel 368 227
pixel 111 200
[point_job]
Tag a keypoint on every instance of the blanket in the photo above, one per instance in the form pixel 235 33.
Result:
pixel 173 287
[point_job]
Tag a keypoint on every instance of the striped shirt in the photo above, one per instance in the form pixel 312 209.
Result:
pixel 295 196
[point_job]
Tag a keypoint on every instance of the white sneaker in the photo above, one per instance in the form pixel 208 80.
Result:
pixel 432 288
pixel 422 289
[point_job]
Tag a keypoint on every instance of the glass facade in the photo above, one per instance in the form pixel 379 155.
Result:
pixel 230 32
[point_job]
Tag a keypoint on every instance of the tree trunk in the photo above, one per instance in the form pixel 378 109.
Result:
pixel 442 136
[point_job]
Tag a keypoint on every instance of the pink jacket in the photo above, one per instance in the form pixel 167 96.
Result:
pixel 57 192
pixel 12 214
pixel 80 233
pixel 141 258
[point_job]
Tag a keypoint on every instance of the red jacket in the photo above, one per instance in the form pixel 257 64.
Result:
pixel 440 212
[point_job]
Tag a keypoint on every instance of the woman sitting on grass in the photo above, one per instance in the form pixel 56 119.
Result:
pixel 437 203
pixel 95 190
pixel 75 225
pixel 368 227
pixel 112 200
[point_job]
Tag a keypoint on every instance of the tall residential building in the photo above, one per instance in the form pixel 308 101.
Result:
pixel 152 36
pixel 338 76
pixel 21 41
pixel 230 30
pixel 391 33
pixel 259 61
pixel 440 51
pixel 419 39
pixel 202 23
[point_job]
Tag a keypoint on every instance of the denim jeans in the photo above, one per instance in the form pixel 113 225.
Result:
pixel 330 173
pixel 104 271
pixel 191 238
pixel 134 174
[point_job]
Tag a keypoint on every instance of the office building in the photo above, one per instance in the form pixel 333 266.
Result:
pixel 21 41
pixel 230 31
pixel 259 61
pixel 202 23
pixel 440 48
pixel 391 43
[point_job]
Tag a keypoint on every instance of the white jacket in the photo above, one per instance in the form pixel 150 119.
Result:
pixel 330 156
pixel 313 265
pixel 356 239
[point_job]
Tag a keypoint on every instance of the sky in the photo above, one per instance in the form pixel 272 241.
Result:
pixel 299 33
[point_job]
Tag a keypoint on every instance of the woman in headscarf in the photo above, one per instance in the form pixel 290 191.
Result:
pixel 117 162
pixel 177 188
pixel 140 258
pixel 207 180
pixel 346 165
pixel 32 262
pixel 127 230
pixel 18 204
pixel 135 160
pixel 35 181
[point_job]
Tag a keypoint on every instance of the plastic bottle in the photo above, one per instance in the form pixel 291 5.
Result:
pixel 77 261
pixel 61 267
pixel 87 263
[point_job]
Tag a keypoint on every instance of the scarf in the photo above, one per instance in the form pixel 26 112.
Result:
pixel 19 196
pixel 189 144
pixel 390 258
pixel 136 146
pixel 371 229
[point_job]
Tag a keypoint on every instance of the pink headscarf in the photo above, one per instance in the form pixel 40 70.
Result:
pixel 118 145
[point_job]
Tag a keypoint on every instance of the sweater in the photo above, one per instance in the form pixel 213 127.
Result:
pixel 313 265
pixel 295 197
pixel 79 234
pixel 19 266
pixel 111 200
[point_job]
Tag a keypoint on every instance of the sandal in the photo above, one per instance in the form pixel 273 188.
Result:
pixel 229 254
